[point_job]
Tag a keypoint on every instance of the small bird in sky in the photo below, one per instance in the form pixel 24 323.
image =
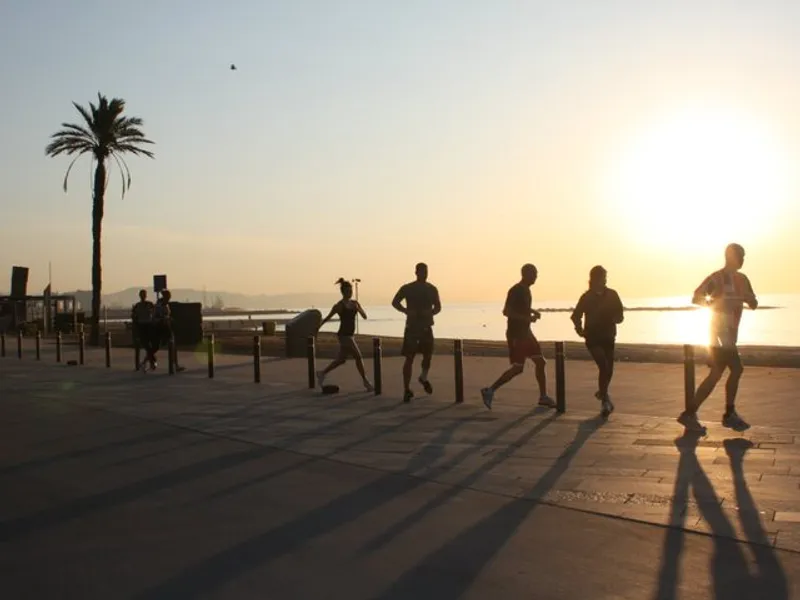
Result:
pixel 233 67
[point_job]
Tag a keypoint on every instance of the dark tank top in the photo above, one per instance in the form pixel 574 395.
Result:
pixel 347 320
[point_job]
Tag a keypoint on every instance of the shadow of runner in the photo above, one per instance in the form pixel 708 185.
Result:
pixel 472 549
pixel 729 564
pixel 770 582
pixel 236 487
pixel 10 530
pixel 449 493
pixel 215 571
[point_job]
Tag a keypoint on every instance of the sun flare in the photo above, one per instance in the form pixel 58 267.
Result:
pixel 699 180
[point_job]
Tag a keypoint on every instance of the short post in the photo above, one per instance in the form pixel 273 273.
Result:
pixel 58 347
pixel 311 354
pixel 211 356
pixel 81 347
pixel 2 345
pixel 108 349
pixel 256 359
pixel 377 365
pixel 171 355
pixel 38 345
pixel 458 355
pixel 688 376
pixel 561 388
pixel 19 344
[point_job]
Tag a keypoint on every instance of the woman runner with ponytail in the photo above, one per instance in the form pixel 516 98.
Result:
pixel 348 310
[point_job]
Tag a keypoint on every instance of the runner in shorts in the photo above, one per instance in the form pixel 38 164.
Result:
pixel 421 305
pixel 725 292
pixel 602 309
pixel 522 344
pixel 347 309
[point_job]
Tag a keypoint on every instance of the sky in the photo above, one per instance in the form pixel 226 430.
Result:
pixel 357 138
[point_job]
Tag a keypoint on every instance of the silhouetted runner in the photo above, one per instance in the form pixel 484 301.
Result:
pixel 163 331
pixel 421 305
pixel 142 325
pixel 596 316
pixel 725 292
pixel 347 309
pixel 522 344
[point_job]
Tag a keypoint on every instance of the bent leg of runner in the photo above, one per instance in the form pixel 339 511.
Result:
pixel 604 368
pixel 410 346
pixel 426 348
pixel 355 352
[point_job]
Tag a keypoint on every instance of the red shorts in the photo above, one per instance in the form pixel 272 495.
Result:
pixel 521 349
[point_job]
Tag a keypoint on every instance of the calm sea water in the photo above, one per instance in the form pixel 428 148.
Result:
pixel 768 327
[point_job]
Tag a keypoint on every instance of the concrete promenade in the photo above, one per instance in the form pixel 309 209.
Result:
pixel 184 486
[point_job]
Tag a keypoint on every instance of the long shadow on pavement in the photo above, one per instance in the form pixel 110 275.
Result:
pixel 472 549
pixel 729 564
pixel 451 492
pixel 215 571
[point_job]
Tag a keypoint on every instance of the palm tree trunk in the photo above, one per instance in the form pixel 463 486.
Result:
pixel 97 230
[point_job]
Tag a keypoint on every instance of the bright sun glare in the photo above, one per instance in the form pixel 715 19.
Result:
pixel 699 180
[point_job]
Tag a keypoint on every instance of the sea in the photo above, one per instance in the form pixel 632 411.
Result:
pixel 647 321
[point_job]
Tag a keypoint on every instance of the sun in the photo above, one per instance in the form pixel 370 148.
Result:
pixel 698 180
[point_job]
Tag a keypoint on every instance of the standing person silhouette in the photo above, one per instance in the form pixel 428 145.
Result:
pixel 142 324
pixel 522 344
pixel 602 310
pixel 421 305
pixel 347 309
pixel 725 292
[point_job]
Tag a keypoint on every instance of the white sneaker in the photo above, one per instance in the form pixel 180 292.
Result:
pixel 320 378
pixel 547 401
pixel 488 397
pixel 368 385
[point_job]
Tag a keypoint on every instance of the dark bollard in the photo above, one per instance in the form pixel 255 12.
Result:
pixel 211 356
pixel 108 349
pixel 458 354
pixel 311 354
pixel 2 345
pixel 81 347
pixel 171 355
pixel 561 380
pixel 38 345
pixel 256 359
pixel 19 344
pixel 58 347
pixel 377 365
pixel 688 376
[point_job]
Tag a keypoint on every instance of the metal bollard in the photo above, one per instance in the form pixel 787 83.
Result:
pixel 211 356
pixel 108 349
pixel 377 365
pixel 171 355
pixel 38 345
pixel 311 354
pixel 561 387
pixel 2 345
pixel 19 344
pixel 256 359
pixel 688 376
pixel 58 347
pixel 81 347
pixel 458 354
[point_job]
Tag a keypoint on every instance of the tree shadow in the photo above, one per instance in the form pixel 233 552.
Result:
pixel 215 571
pixel 731 577
pixel 473 548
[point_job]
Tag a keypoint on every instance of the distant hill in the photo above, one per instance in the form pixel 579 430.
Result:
pixel 129 296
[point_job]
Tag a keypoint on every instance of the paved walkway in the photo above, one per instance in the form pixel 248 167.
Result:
pixel 637 466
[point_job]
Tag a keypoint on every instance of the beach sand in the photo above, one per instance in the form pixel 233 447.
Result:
pixel 327 347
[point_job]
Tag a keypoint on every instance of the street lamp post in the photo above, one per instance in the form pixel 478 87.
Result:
pixel 356 281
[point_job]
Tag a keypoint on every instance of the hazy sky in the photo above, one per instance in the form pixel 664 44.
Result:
pixel 359 137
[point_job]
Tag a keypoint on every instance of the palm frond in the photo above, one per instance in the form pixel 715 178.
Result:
pixel 122 171
pixel 66 175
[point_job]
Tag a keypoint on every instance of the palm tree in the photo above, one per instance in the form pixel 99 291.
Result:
pixel 105 134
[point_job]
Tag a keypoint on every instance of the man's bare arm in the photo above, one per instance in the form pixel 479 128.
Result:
pixel 398 299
